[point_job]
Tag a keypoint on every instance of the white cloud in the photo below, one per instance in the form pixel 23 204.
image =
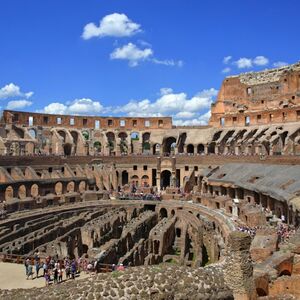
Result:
pixel 165 91
pixel 169 103
pixel 77 107
pixel 168 62
pixel 184 109
pixel 244 63
pixel 200 120
pixel 260 60
pixel 226 59
pixel 185 115
pixel 12 90
pixel 226 70
pixel 131 53
pixel 55 108
pixel 279 64
pixel 115 25
pixel 18 104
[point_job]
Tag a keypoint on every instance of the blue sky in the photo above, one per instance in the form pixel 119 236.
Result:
pixel 133 57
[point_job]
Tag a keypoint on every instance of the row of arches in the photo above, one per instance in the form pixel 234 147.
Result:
pixel 22 191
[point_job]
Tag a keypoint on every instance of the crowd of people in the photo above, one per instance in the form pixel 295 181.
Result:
pixel 59 270
pixel 284 231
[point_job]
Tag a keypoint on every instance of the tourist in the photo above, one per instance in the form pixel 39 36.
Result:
pixel 29 271
pixel 37 268
pixel 26 263
pixel 55 275
pixel 73 269
pixel 121 267
pixel 45 268
pixel 47 278
pixel 60 274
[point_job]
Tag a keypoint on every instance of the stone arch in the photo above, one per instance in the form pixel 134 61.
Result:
pixel 82 186
pixel 211 148
pixel 58 188
pixel 32 133
pixel 123 142
pixel 111 142
pixel 145 180
pixel 86 135
pixel 135 136
pixel 190 149
pixel 9 193
pixel 165 178
pixel 167 145
pixel 62 134
pixel 146 142
pixel 22 192
pixel 135 180
pixel 67 149
pixel 163 213
pixel 34 190
pixel 29 148
pixel 200 148
pixel 70 187
pixel 97 147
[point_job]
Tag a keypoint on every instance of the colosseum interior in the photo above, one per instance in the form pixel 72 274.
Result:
pixel 194 212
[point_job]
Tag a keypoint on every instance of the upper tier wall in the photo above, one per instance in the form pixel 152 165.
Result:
pixel 80 122
pixel 258 98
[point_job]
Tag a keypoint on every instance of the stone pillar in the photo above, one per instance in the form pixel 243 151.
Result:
pixel 206 149
pixel 271 149
pixel 158 181
pixel 238 271
pixel 217 149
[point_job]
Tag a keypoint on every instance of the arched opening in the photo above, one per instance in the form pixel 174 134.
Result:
pixel 135 180
pixel 146 142
pixel 62 134
pixel 22 191
pixel 86 135
pixel 156 247
pixel 34 190
pixel 124 177
pixel 165 178
pixel 205 257
pixel 32 133
pixel 97 147
pixel 190 149
pixel 156 149
pixel 178 232
pixel 200 149
pixel 172 212
pixel 58 188
pixel 211 148
pixel 145 181
pixel 111 141
pixel 169 145
pixel 123 143
pixel 82 186
pixel 29 148
pixel 9 193
pixel 70 187
pixel 67 149
pixel 163 213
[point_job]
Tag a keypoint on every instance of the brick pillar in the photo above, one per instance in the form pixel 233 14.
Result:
pixel 238 271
